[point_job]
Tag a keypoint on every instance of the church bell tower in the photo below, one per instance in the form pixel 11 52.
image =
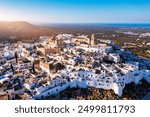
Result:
pixel 92 40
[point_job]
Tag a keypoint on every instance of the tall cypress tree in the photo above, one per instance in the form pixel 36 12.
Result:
pixel 33 68
pixel 16 56
pixel 12 68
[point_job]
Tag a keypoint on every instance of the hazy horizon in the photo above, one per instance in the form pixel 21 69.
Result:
pixel 77 24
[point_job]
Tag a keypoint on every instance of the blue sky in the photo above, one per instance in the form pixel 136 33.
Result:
pixel 76 11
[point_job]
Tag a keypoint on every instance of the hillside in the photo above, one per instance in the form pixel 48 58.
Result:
pixel 20 30
pixel 15 24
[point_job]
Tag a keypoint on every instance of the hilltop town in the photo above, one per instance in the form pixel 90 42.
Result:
pixel 52 64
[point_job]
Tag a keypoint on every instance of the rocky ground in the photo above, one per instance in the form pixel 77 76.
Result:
pixel 136 92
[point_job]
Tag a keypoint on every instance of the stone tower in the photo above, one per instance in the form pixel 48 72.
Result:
pixel 92 40
pixel 89 41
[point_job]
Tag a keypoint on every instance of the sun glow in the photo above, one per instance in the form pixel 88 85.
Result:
pixel 5 16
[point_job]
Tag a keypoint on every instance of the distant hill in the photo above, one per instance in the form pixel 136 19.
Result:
pixel 6 24
pixel 22 30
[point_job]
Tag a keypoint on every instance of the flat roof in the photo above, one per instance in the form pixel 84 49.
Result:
pixel 2 77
